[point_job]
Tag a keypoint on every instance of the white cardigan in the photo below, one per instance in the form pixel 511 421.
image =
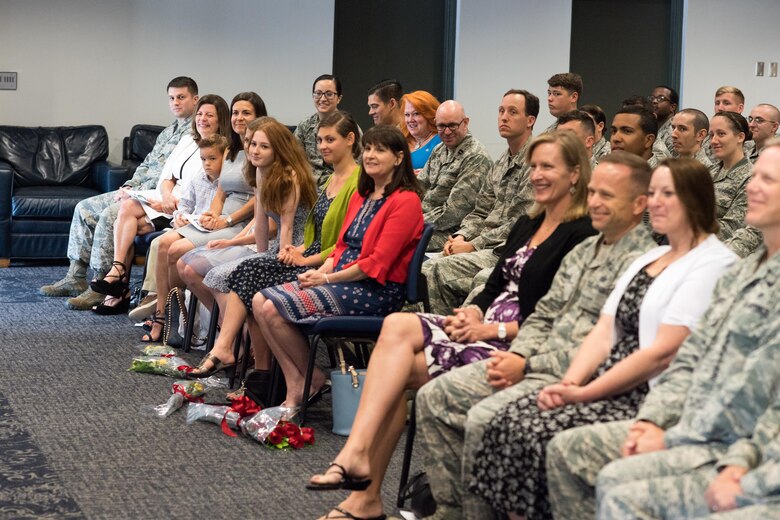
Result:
pixel 680 294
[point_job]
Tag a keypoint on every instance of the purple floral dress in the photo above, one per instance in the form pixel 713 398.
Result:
pixel 442 354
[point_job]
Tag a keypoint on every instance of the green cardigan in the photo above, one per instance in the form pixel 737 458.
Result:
pixel 334 218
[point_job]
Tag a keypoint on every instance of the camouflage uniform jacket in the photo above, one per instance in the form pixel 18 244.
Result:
pixel 306 132
pixel 701 156
pixel 764 479
pixel 570 309
pixel 601 148
pixel 505 195
pixel 664 134
pixel 148 172
pixel 731 206
pixel 726 374
pixel 663 146
pixel 451 179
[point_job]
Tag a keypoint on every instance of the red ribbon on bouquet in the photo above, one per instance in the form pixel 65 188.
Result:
pixel 178 389
pixel 243 406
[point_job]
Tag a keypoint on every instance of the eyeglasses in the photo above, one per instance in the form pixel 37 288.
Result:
pixel 329 94
pixel 759 120
pixel 451 126
pixel 657 99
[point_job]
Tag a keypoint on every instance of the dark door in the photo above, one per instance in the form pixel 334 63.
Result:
pixel 625 48
pixel 408 40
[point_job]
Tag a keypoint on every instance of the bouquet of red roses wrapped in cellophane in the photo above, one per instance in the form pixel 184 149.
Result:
pixel 181 391
pixel 166 365
pixel 228 417
pixel 272 428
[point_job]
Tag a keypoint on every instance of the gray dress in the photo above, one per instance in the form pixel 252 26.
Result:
pixel 217 277
pixel 232 182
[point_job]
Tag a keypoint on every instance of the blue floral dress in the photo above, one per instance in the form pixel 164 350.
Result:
pixel 361 298
pixel 263 271
pixel 443 354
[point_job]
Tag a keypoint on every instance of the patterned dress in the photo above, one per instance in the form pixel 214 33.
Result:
pixel 260 272
pixel 217 277
pixel 443 354
pixel 509 469
pixel 361 298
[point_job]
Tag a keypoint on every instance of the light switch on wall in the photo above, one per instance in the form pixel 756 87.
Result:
pixel 773 69
pixel 759 68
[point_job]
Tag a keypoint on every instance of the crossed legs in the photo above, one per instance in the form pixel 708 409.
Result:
pixel 397 363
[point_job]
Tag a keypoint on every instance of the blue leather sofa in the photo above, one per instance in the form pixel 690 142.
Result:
pixel 44 173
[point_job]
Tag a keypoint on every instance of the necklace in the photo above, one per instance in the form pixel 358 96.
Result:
pixel 421 142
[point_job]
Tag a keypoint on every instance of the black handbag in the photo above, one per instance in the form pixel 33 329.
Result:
pixel 175 315
pixel 418 490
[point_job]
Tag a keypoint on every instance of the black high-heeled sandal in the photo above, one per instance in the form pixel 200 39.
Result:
pixel 156 319
pixel 120 307
pixel 115 288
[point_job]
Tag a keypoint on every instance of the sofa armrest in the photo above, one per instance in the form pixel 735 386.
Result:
pixel 6 191
pixel 108 177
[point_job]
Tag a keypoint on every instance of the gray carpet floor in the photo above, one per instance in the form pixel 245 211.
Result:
pixel 74 443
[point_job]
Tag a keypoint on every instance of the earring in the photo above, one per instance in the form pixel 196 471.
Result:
pixel 572 189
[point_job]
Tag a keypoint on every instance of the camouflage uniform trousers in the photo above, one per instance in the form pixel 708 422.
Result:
pixel 91 239
pixel 662 484
pixel 450 278
pixel 574 459
pixel 438 239
pixel 453 411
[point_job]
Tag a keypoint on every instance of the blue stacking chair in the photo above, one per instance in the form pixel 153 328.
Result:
pixel 364 328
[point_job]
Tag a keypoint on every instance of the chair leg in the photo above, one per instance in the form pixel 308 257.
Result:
pixel 407 462
pixel 309 374
pixel 188 330
pixel 236 353
pixel 213 327
pixel 277 384
pixel 245 360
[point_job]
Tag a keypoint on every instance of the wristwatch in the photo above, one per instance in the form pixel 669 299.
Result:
pixel 229 220
pixel 502 331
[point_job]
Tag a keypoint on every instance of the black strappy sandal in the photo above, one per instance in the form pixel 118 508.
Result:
pixel 349 516
pixel 347 481
pixel 120 307
pixel 156 319
pixel 116 288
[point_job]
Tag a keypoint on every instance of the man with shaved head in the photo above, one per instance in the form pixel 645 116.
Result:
pixel 763 121
pixel 453 174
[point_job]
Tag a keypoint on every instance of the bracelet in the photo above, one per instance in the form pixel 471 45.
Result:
pixel 326 278
pixel 476 308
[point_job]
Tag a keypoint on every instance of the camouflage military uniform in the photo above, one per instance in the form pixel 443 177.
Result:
pixel 451 179
pixel 731 203
pixel 663 146
pixel 720 383
pixel 91 239
pixel 701 156
pixel 454 409
pixel 306 132
pixel 601 148
pixel 506 194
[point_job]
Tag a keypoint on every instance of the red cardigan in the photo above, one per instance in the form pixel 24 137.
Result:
pixel 391 238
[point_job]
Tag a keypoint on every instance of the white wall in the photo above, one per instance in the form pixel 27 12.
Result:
pixel 723 41
pixel 108 61
pixel 505 44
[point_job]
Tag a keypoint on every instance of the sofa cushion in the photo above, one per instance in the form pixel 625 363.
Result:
pixel 52 156
pixel 48 201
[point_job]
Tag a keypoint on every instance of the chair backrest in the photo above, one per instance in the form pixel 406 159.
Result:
pixel 416 286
